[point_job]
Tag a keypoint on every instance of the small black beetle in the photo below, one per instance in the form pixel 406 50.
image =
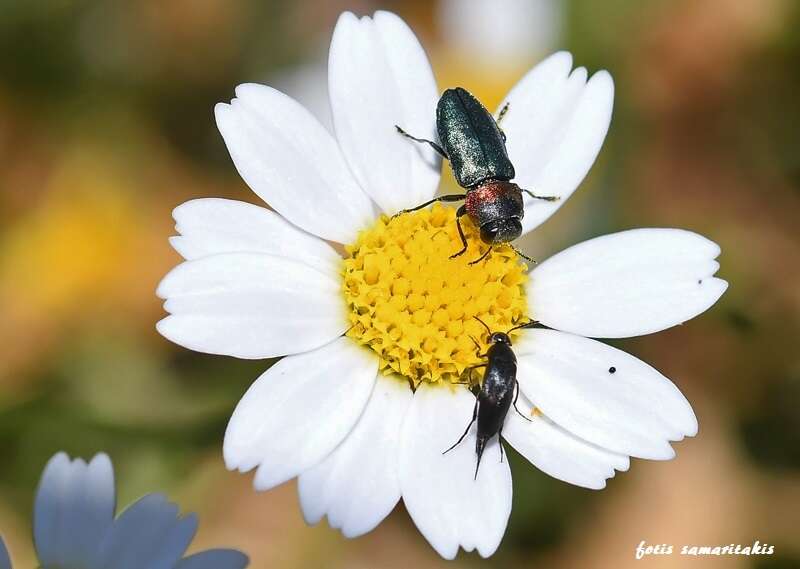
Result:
pixel 476 147
pixel 496 395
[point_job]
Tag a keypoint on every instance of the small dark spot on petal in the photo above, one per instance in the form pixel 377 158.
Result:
pixel 612 369
pixel 700 281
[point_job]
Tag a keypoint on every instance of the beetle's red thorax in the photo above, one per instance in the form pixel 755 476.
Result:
pixel 489 192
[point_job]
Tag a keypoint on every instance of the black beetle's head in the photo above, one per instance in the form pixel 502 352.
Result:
pixel 501 230
pixel 499 338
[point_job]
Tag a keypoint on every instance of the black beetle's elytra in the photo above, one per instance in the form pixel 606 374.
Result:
pixel 499 390
pixel 476 147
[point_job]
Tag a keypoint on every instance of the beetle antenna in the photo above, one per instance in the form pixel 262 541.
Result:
pixel 523 255
pixel 502 113
pixel 545 198
pixel 528 324
pixel 488 330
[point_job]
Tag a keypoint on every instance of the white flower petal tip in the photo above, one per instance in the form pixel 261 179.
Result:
pixel 250 305
pixel 74 504
pixel 298 411
pixel 211 226
pixel 627 284
pixel 379 77
pixel 293 163
pixel 448 506
pixel 555 126
pixel 603 395
pixel 357 485
pixel 559 454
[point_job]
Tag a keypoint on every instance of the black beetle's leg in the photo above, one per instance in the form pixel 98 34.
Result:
pixel 500 443
pixel 432 144
pixel 461 211
pixel 545 198
pixel 470 368
pixel 516 396
pixel 447 198
pixel 474 416
pixel 482 257
pixel 523 255
pixel 478 352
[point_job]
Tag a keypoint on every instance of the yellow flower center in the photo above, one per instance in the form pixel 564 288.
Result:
pixel 414 306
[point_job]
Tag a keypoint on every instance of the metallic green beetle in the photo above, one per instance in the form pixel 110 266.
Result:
pixel 476 148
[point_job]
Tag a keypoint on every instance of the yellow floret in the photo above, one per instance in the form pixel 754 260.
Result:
pixel 414 306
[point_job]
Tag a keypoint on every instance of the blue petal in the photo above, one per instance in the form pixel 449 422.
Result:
pixel 147 534
pixel 215 559
pixel 74 506
pixel 5 560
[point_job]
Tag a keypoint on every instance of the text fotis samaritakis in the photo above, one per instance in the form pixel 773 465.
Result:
pixel 756 548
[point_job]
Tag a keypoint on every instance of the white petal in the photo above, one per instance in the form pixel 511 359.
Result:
pixel 447 505
pixel 213 225
pixel 556 452
pixel 379 77
pixel 149 534
pixel 74 506
pixel 250 305
pixel 627 284
pixel 296 413
pixel 555 126
pixel 288 158
pixel 357 485
pixel 634 410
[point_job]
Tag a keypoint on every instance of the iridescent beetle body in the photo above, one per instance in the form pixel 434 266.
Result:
pixel 476 148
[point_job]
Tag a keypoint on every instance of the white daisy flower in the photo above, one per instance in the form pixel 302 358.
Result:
pixel 74 525
pixel 356 331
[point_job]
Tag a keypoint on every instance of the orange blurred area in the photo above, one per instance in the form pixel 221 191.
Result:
pixel 106 124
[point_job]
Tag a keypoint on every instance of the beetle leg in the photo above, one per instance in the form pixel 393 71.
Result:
pixel 545 198
pixel 447 198
pixel 516 396
pixel 432 144
pixel 477 345
pixel 500 443
pixel 461 211
pixel 469 371
pixel 482 257
pixel 474 416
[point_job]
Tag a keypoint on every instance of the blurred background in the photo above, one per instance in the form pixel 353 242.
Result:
pixel 106 124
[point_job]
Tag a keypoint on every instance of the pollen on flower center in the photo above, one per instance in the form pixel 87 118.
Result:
pixel 414 306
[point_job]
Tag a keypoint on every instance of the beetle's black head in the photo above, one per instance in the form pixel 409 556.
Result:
pixel 499 338
pixel 501 230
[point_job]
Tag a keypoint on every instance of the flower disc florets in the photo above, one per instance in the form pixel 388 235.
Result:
pixel 414 306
